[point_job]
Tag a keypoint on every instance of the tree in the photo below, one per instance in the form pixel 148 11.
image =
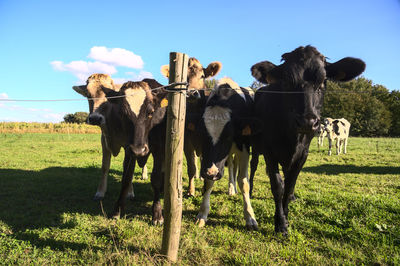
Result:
pixel 362 104
pixel 78 117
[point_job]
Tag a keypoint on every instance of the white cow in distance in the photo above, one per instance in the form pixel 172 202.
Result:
pixel 338 130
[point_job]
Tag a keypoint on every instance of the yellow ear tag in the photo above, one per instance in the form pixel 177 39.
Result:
pixel 164 102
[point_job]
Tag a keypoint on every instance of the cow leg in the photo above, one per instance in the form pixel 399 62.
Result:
pixel 249 216
pixel 272 170
pixel 291 175
pixel 330 147
pixel 157 182
pixel 205 204
pixel 345 146
pixel 232 169
pixel 105 167
pixel 129 167
pixel 337 146
pixel 190 155
pixel 144 173
pixel 253 169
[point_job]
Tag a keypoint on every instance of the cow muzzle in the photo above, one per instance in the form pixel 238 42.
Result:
pixel 212 173
pixel 96 119
pixel 141 150
pixel 308 123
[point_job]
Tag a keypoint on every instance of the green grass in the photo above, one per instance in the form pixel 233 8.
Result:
pixel 347 209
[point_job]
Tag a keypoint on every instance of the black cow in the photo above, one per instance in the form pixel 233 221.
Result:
pixel 143 113
pixel 290 109
pixel 227 135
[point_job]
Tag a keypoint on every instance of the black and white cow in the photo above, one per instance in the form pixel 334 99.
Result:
pixel 195 105
pixel 290 109
pixel 143 112
pixel 338 130
pixel 227 134
pixel 104 115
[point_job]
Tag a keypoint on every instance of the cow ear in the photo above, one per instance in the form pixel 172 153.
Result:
pixel 111 94
pixel 165 70
pixel 82 90
pixel 345 69
pixel 212 69
pixel 265 72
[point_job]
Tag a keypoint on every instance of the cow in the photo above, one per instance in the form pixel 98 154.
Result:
pixel 227 135
pixel 290 107
pixel 338 130
pixel 142 107
pixel 194 111
pixel 149 124
pixel 322 133
pixel 103 115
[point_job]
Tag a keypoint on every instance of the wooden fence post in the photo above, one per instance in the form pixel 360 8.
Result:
pixel 176 112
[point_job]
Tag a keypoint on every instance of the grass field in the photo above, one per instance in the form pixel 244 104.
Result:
pixel 347 209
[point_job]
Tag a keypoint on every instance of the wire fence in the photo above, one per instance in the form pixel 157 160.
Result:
pixel 170 88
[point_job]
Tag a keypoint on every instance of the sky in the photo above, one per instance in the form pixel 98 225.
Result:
pixel 46 47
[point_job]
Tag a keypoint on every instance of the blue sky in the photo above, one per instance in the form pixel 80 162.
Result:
pixel 46 47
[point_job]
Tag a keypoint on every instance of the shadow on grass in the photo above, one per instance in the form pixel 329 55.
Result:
pixel 334 169
pixel 38 199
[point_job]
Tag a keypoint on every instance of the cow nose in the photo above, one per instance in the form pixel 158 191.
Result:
pixel 212 173
pixel 141 150
pixel 312 122
pixel 95 120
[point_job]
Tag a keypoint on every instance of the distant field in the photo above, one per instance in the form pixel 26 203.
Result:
pixel 69 128
pixel 347 209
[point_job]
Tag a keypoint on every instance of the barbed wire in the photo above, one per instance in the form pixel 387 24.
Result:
pixel 256 90
pixel 97 98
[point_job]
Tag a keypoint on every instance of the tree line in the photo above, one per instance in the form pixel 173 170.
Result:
pixel 372 109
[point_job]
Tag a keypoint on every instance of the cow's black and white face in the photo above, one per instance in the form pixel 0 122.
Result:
pixel 302 79
pixel 93 90
pixel 144 108
pixel 220 126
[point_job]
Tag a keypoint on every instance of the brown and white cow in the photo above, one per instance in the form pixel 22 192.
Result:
pixel 102 114
pixel 194 111
pixel 226 135
pixel 338 130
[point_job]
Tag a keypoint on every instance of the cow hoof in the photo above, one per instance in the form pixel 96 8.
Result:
pixel 115 216
pixel 98 197
pixel 158 221
pixel 200 222
pixel 231 190
pixel 252 225
pixel 292 198
pixel 190 194
pixel 130 197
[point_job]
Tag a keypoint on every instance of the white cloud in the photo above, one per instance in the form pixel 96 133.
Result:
pixel 116 56
pixel 107 61
pixel 83 69
pixel 3 95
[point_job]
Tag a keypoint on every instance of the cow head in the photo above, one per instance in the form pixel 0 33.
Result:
pixel 93 90
pixel 144 107
pixel 302 79
pixel 223 123
pixel 196 73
